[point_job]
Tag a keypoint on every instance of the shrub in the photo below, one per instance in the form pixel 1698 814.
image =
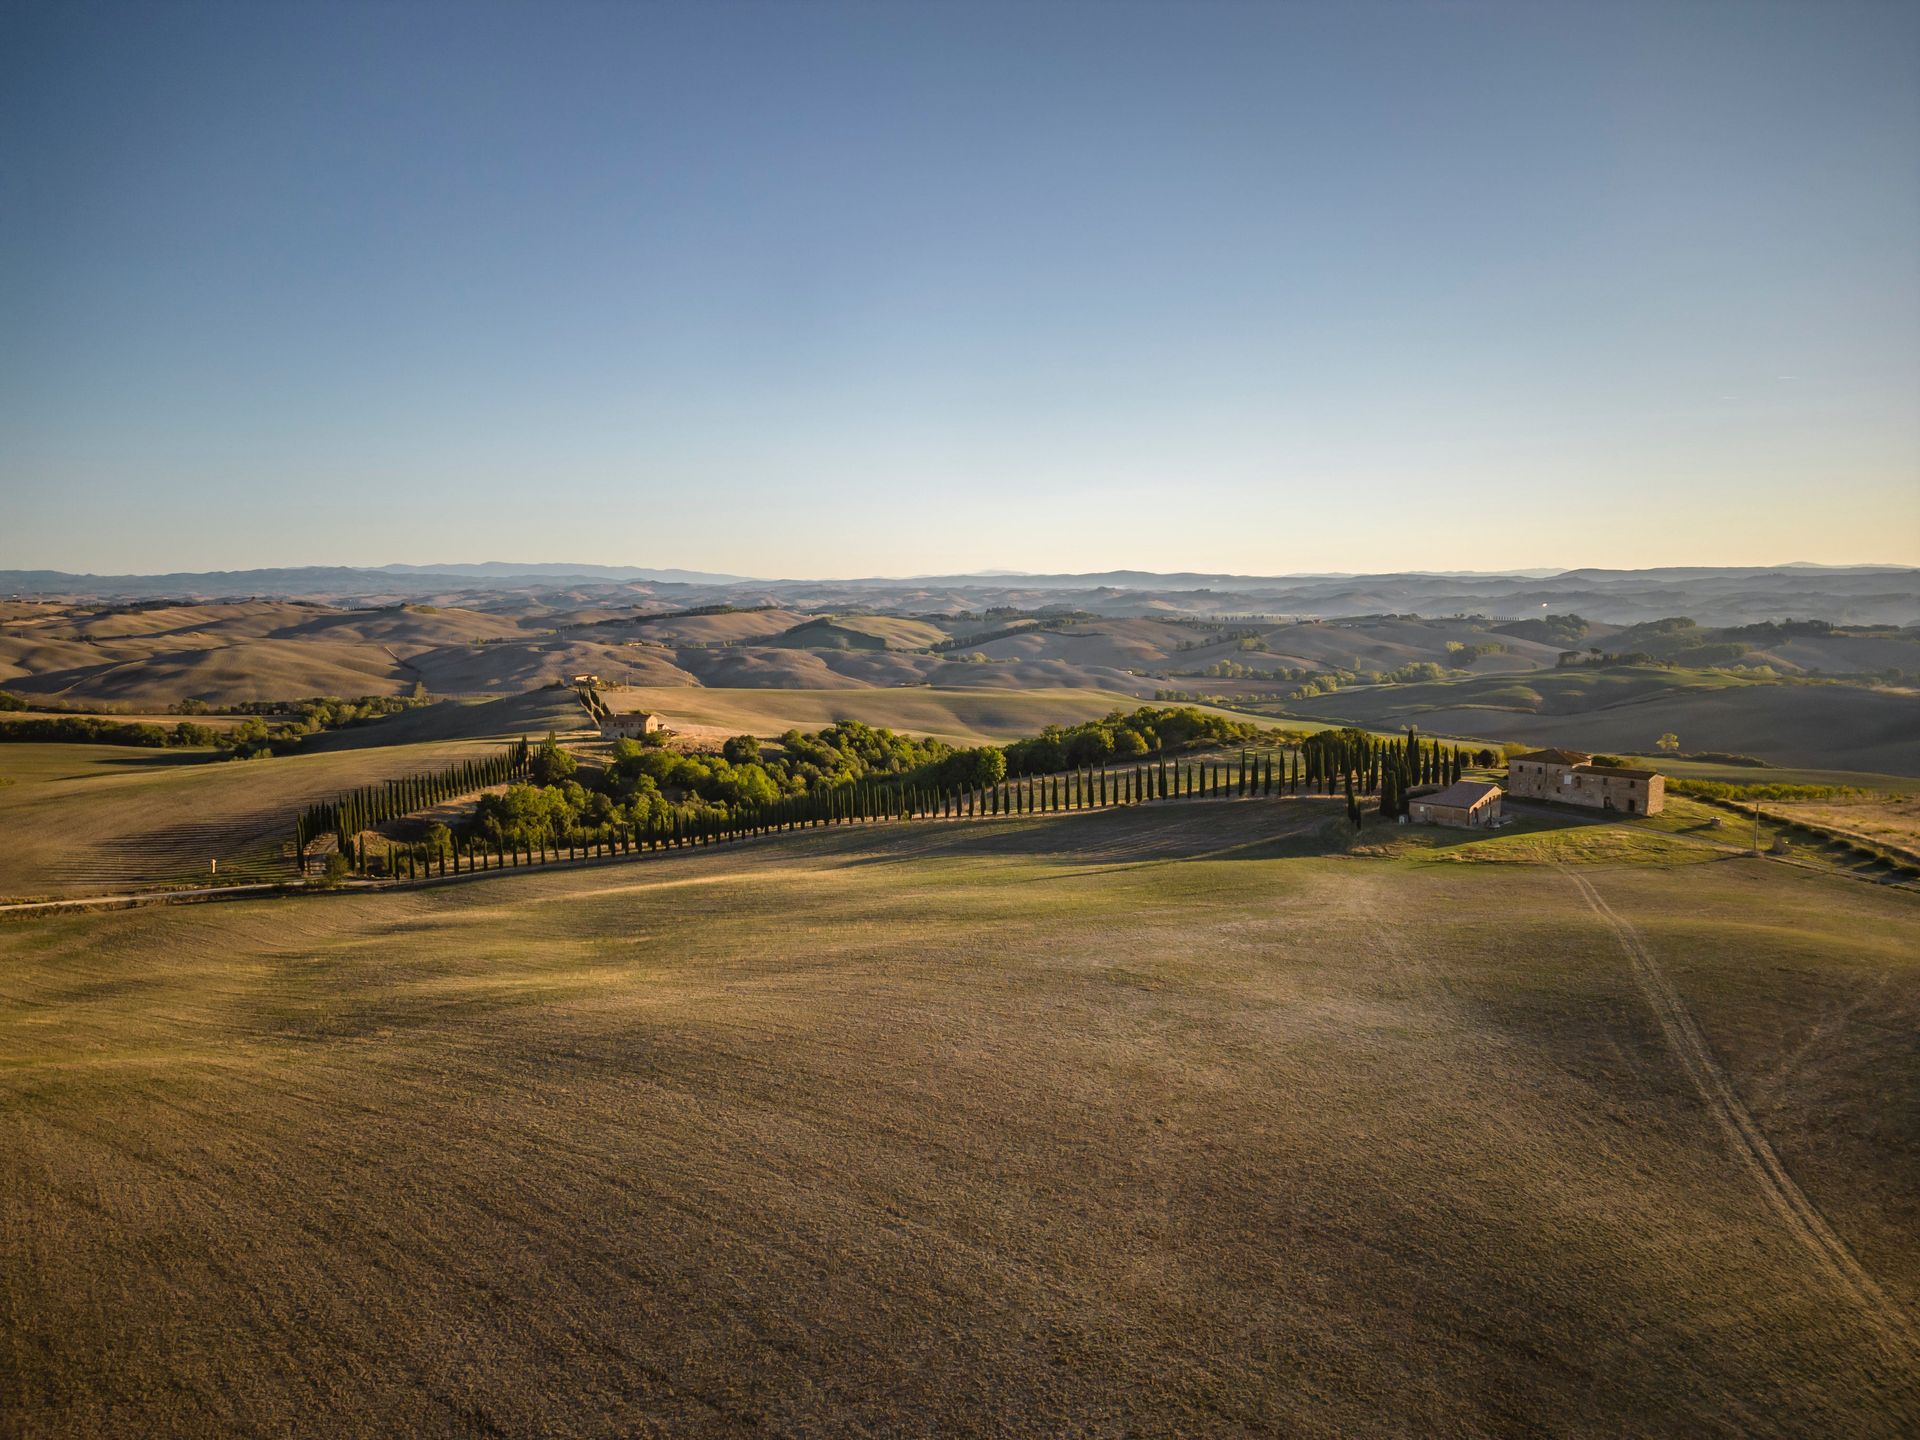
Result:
pixel 1722 790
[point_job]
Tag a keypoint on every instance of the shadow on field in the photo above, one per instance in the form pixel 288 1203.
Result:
pixel 169 759
pixel 1147 835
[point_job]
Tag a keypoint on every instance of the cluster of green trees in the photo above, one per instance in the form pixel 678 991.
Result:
pixel 314 715
pixel 347 815
pixel 1561 630
pixel 1415 672
pixel 651 790
pixel 1150 730
pixel 1223 637
pixel 1235 670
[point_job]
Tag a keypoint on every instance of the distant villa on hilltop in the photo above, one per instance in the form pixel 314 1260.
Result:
pixel 631 724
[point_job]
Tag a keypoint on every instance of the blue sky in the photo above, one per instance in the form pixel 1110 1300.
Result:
pixel 806 289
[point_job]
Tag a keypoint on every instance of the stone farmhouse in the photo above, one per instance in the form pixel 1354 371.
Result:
pixel 1571 778
pixel 1464 805
pixel 631 724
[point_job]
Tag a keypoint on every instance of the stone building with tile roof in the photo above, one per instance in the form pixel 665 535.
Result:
pixel 1465 805
pixel 1569 777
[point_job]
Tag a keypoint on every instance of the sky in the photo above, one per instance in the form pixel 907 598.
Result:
pixel 803 289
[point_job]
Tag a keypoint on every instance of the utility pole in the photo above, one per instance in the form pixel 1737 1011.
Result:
pixel 1756 827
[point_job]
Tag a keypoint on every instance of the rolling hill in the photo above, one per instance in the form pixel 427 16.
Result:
pixel 1817 726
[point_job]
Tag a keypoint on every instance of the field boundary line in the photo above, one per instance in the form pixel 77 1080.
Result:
pixel 1777 1185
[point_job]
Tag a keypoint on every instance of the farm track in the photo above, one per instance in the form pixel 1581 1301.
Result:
pixel 1802 1218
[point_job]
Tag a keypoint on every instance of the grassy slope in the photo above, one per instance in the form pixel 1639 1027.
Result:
pixel 908 1135
pixel 89 819
pixel 860 632
pixel 1772 774
pixel 1559 692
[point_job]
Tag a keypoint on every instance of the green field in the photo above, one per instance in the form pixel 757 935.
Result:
pixel 1140 1122
pixel 1775 774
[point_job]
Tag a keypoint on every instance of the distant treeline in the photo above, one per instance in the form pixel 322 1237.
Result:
pixel 689 614
pixel 987 637
pixel 92 730
pixel 253 736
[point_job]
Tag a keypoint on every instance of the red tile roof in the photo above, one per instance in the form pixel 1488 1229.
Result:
pixel 1557 757
pixel 1461 795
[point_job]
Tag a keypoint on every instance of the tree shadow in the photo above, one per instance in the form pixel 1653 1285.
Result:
pixel 157 758
pixel 1118 837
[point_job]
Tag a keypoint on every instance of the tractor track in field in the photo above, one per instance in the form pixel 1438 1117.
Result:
pixel 1783 1194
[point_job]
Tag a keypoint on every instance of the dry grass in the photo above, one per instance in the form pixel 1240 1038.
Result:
pixel 1888 820
pixel 958 716
pixel 1131 1123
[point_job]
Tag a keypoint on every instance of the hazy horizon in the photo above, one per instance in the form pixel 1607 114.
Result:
pixel 530 567
pixel 857 290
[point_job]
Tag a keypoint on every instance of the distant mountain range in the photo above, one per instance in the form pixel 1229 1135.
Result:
pixel 504 569
pixel 1719 595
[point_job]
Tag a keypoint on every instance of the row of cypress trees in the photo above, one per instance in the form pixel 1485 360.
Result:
pixel 347 815
pixel 872 801
pixel 1372 763
pixel 1330 762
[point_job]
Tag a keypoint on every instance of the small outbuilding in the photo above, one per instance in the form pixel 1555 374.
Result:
pixel 1464 805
